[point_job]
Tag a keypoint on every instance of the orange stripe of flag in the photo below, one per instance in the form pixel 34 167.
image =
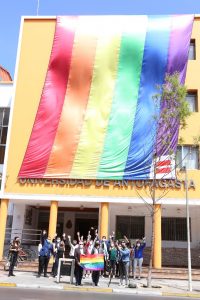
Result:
pixel 76 99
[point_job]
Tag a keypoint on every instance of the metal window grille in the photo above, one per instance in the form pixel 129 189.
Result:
pixel 187 156
pixel 192 100
pixel 4 118
pixel 192 50
pixel 130 226
pixel 174 229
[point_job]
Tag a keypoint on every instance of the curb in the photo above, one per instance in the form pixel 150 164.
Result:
pixel 188 295
pixel 88 289
pixel 8 284
pixel 100 290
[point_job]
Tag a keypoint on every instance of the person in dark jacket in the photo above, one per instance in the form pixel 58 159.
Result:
pixel 96 274
pixel 78 272
pixel 13 254
pixel 138 256
pixel 59 252
pixel 45 253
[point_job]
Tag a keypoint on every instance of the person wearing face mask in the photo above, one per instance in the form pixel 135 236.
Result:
pixel 123 263
pixel 138 257
pixel 96 274
pixel 13 253
pixel 73 245
pixel 105 247
pixel 78 272
pixel 59 252
pixel 45 253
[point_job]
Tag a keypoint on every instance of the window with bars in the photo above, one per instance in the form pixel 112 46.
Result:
pixel 174 229
pixel 192 100
pixel 4 118
pixel 130 226
pixel 187 156
pixel 192 50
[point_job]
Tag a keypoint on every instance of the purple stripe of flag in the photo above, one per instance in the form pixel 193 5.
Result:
pixel 177 62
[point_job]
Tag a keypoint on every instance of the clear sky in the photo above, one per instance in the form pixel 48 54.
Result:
pixel 12 10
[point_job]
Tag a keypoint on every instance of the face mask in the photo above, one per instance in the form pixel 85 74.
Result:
pixel 91 243
pixel 138 245
pixel 81 246
pixel 58 241
pixel 103 240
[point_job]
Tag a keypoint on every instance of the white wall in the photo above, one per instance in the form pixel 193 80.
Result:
pixel 18 220
pixel 6 90
pixel 167 211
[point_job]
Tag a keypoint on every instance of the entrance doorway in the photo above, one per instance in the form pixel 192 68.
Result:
pixel 43 222
pixel 83 225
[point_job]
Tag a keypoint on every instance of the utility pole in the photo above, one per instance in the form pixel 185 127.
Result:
pixel 188 232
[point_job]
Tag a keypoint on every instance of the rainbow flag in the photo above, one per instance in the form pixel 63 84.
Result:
pixel 95 119
pixel 93 262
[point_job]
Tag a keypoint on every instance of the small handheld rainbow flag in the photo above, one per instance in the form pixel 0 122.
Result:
pixel 92 262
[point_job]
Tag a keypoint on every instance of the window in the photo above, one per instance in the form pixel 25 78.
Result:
pixel 192 100
pixel 192 50
pixel 132 227
pixel 187 156
pixel 4 118
pixel 174 229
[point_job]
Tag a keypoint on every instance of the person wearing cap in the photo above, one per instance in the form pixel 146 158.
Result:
pixel 123 263
pixel 138 256
pixel 45 253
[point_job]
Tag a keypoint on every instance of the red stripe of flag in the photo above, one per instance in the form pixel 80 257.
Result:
pixel 51 102
pixel 163 163
pixel 163 170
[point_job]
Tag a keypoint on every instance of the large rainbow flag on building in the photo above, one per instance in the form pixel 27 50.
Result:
pixel 93 262
pixel 95 117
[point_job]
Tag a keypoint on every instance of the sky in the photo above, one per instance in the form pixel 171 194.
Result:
pixel 12 10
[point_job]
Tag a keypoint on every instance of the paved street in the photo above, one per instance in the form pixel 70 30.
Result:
pixel 26 286
pixel 36 294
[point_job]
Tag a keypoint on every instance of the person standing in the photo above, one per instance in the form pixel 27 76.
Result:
pixel 112 260
pixel 13 253
pixel 78 268
pixel 59 252
pixel 124 263
pixel 73 245
pixel 45 253
pixel 138 257
pixel 96 274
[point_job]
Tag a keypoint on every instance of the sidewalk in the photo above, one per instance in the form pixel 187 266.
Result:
pixel 165 287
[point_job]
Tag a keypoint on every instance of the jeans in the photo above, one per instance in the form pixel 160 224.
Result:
pixel 137 261
pixel 95 277
pixel 123 271
pixel 13 260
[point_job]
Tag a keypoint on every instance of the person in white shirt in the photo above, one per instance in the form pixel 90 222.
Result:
pixel 73 245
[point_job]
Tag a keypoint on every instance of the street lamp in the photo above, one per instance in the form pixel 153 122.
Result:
pixel 184 169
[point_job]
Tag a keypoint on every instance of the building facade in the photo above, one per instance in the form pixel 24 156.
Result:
pixel 71 205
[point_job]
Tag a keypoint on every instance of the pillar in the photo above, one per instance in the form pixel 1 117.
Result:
pixel 157 257
pixel 3 219
pixel 104 218
pixel 53 218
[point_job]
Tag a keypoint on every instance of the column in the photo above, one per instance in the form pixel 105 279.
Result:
pixel 3 219
pixel 104 218
pixel 157 257
pixel 53 218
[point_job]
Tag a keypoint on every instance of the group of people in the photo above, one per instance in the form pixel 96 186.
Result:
pixel 120 257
